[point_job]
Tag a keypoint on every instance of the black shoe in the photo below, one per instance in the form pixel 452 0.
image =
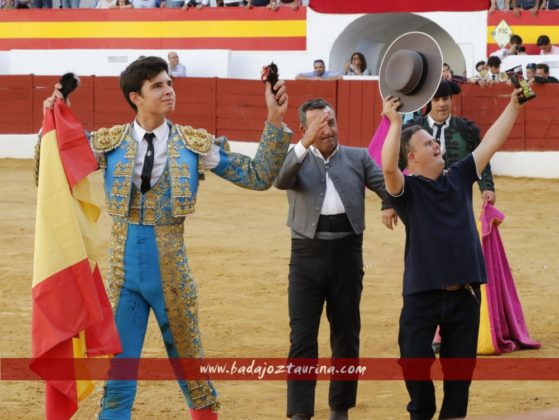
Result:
pixel 300 417
pixel 338 415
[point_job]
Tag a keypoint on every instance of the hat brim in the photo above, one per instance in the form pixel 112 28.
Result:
pixel 426 45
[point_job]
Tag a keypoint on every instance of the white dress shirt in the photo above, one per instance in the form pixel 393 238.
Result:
pixel 332 202
pixel 431 123
pixel 160 149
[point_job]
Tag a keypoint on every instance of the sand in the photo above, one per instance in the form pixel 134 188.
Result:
pixel 238 247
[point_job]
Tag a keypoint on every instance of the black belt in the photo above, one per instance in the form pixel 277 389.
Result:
pixel 334 223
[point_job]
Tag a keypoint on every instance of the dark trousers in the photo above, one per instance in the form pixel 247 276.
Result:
pixel 457 313
pixel 319 271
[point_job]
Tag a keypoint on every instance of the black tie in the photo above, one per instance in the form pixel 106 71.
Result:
pixel 438 132
pixel 148 163
pixel 493 76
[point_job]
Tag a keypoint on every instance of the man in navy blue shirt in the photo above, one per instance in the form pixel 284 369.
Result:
pixel 444 264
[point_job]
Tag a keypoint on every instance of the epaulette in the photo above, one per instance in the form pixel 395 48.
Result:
pixel 197 140
pixel 107 139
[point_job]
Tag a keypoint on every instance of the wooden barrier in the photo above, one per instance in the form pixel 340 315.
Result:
pixel 235 108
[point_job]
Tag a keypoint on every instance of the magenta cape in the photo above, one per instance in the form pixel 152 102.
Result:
pixel 502 324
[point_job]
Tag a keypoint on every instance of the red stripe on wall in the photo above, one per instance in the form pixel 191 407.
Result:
pixel 250 44
pixel 383 6
pixel 154 15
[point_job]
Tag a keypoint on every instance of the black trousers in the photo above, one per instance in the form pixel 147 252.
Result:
pixel 321 271
pixel 457 313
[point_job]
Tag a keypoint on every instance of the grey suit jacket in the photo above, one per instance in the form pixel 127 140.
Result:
pixel 350 169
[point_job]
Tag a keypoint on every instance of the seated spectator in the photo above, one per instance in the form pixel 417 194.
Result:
pixel 448 74
pixel 482 75
pixel 358 66
pixel 106 4
pixel 530 72
pixel 144 4
pixel 544 44
pixel 257 3
pixel 70 4
pixel 275 4
pixel 542 74
pixel 41 4
pixel 514 47
pixel 531 5
pixel 495 73
pixel 122 4
pixel 319 73
pixel 501 5
pixel 176 69
pixel 550 5
pixel 233 3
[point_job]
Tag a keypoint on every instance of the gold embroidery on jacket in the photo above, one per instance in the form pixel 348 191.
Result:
pixel 107 139
pixel 180 292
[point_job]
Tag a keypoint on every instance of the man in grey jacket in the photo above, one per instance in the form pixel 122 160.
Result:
pixel 325 185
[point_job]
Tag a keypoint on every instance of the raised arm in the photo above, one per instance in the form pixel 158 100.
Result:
pixel 497 133
pixel 287 176
pixel 259 173
pixel 393 176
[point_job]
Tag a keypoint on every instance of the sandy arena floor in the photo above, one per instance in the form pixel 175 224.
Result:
pixel 239 249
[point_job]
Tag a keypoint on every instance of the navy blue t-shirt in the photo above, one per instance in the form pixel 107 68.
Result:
pixel 442 242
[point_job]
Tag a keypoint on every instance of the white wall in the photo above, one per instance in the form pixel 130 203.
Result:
pixel 199 63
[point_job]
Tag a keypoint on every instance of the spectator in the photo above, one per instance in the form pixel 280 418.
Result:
pixel 70 4
pixel 531 5
pixel 198 4
pixel 233 3
pixel 106 4
pixel 514 47
pixel 7 4
pixel 550 5
pixel 257 3
pixel 448 74
pixel 530 72
pixel 502 5
pixel 176 69
pixel 482 76
pixel 122 4
pixel 41 4
pixel 358 66
pixel 275 4
pixel 495 73
pixel 319 73
pixel 144 4
pixel 544 44
pixel 542 74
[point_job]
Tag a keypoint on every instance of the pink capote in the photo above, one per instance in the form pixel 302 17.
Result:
pixel 375 146
pixel 508 328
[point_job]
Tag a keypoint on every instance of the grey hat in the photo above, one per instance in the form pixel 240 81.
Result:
pixel 411 69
